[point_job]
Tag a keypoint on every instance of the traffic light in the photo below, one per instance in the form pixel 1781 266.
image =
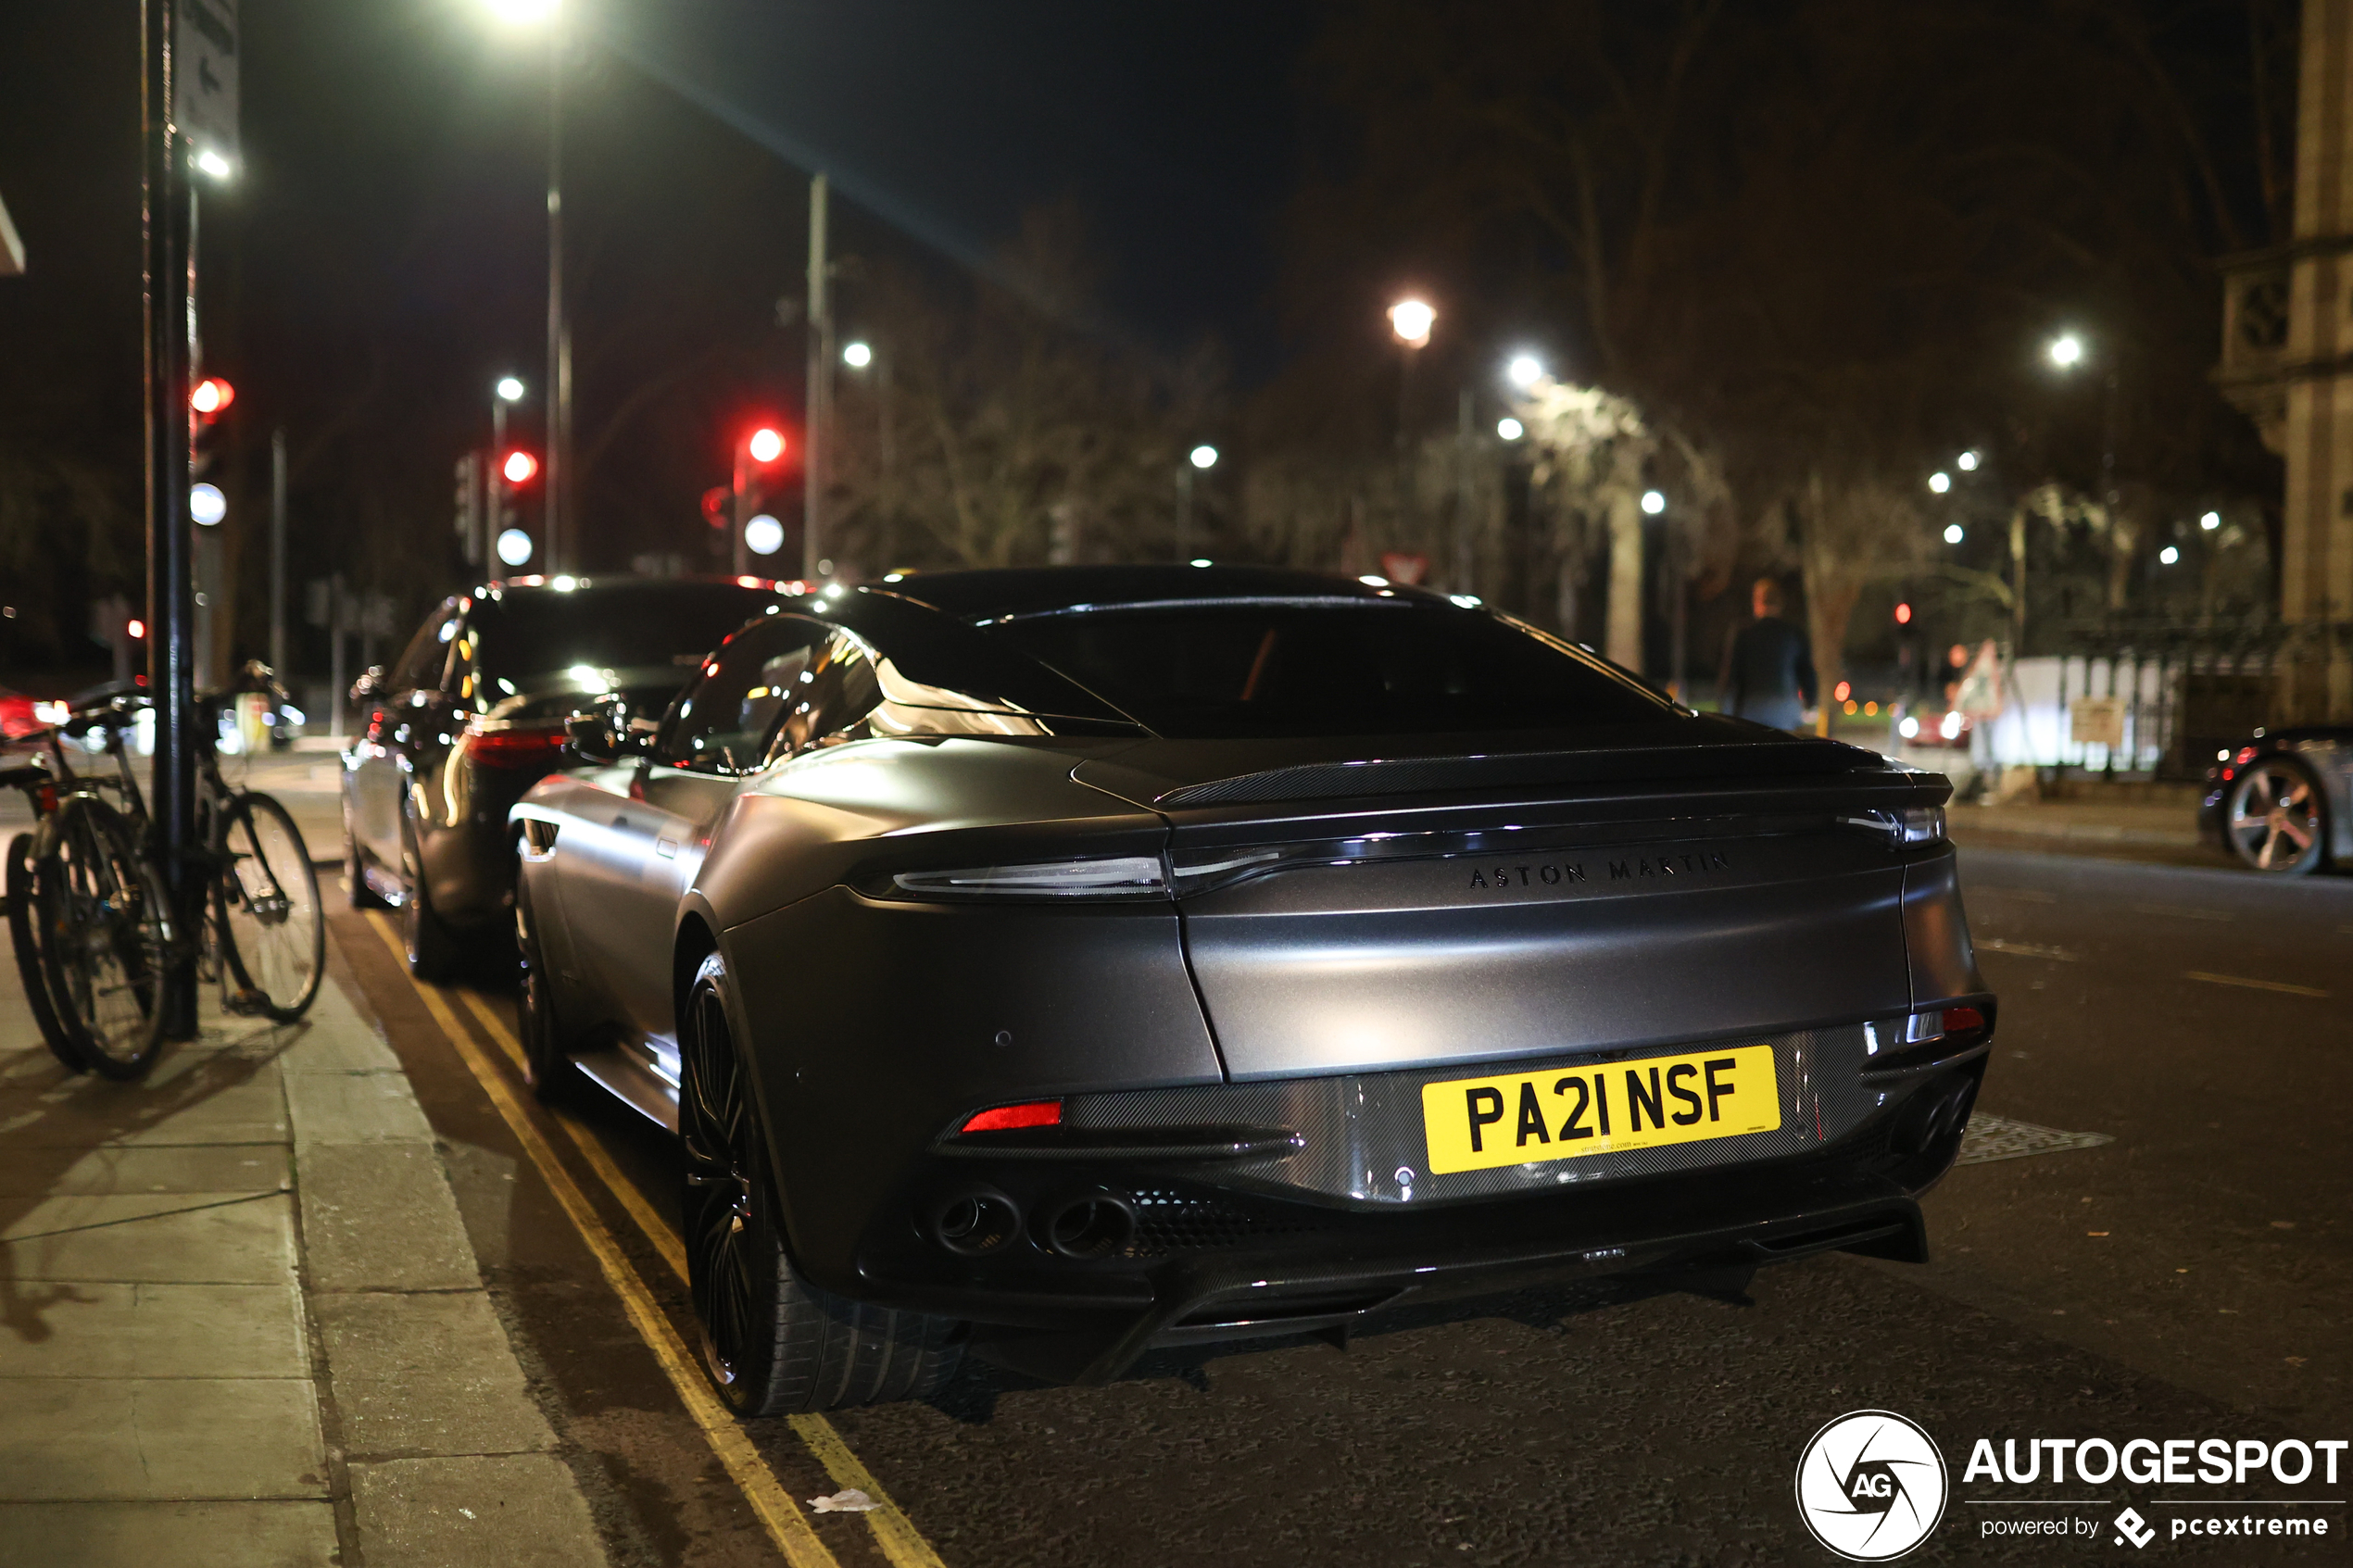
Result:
pixel 766 445
pixel 470 507
pixel 1902 614
pixel 207 400
pixel 518 466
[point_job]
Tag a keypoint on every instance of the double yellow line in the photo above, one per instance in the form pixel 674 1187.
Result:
pixel 786 1526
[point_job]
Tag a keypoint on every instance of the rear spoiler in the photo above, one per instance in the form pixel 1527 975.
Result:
pixel 1418 775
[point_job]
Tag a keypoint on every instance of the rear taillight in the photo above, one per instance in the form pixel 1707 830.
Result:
pixel 1006 1118
pixel 1119 876
pixel 506 748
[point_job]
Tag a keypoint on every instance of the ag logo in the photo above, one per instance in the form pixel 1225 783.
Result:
pixel 1871 1486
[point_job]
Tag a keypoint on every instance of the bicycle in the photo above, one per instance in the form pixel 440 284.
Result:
pixel 105 929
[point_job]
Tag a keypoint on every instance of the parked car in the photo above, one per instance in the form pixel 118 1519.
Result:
pixel 2282 801
pixel 473 711
pixel 1078 960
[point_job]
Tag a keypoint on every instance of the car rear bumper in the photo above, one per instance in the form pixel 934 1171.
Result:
pixel 1202 1259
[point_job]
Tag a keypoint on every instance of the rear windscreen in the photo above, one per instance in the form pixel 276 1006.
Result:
pixel 1204 671
pixel 632 626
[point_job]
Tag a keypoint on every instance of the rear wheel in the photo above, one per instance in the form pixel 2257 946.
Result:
pixel 2276 822
pixel 273 931
pixel 770 1340
pixel 24 934
pixel 545 1062
pixel 107 938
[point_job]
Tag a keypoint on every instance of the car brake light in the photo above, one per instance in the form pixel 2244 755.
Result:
pixel 1004 1118
pixel 1122 876
pixel 1962 1021
pixel 514 748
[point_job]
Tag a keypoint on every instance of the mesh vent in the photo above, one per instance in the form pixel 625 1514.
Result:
pixel 1176 1222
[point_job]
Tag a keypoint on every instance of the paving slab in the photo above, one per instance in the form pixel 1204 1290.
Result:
pixel 427 1374
pixel 107 1329
pixel 381 1217
pixel 234 1238
pixel 355 1108
pixel 198 1097
pixel 91 1438
pixel 519 1510
pixel 332 1037
pixel 182 1534
pixel 261 1167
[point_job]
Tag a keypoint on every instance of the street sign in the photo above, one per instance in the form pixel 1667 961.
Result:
pixel 2096 721
pixel 204 85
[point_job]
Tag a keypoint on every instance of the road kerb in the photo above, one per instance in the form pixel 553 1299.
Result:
pixel 894 1532
pixel 785 1524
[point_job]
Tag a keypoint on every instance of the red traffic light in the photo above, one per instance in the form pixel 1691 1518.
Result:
pixel 767 445
pixel 1903 615
pixel 716 502
pixel 211 395
pixel 519 467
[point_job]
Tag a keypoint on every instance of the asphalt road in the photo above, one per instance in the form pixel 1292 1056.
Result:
pixel 2187 1279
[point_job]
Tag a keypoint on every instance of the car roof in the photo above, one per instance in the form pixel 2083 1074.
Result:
pixel 621 580
pixel 1037 590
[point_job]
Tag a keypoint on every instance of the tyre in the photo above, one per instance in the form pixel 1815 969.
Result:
pixel 106 939
pixel 24 935
pixel 433 950
pixel 772 1341
pixel 2275 821
pixel 547 1063
pixel 355 879
pixel 273 933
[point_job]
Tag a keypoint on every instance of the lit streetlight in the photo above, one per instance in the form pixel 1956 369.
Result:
pixel 1202 459
pixel 1510 429
pixel 510 389
pixel 1411 320
pixel 1966 462
pixel 555 514
pixel 1953 533
pixel 1939 481
pixel 2067 351
pixel 1654 502
pixel 2169 555
pixel 1524 371
pixel 2210 522
pixel 858 356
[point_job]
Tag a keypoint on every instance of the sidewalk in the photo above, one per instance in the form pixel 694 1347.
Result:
pixel 241 1323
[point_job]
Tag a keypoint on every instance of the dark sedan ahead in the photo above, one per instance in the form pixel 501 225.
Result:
pixel 1080 960
pixel 473 711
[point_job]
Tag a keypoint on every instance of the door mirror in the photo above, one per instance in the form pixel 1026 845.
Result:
pixel 604 734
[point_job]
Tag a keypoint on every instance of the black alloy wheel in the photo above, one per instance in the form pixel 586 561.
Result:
pixel 433 951
pixel 2275 821
pixel 355 874
pixel 24 936
pixel 546 1063
pixel 770 1340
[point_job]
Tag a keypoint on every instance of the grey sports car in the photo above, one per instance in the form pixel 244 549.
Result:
pixel 1075 961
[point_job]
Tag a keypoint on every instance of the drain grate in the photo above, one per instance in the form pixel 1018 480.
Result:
pixel 1998 1137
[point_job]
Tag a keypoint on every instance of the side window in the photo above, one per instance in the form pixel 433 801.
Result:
pixel 723 720
pixel 420 667
pixel 838 693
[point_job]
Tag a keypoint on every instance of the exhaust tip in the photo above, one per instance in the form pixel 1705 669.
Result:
pixel 1086 1224
pixel 975 1220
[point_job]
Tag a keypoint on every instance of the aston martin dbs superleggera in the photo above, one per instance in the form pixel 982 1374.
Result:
pixel 1073 962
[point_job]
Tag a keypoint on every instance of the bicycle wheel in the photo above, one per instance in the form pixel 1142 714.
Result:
pixel 108 937
pixel 24 933
pixel 273 931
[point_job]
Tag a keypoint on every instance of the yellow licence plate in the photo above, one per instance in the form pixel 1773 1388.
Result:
pixel 1523 1118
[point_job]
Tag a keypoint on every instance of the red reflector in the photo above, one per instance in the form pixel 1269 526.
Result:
pixel 1037 1113
pixel 514 748
pixel 1960 1020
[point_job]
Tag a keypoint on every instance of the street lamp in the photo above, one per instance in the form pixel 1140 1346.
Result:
pixel 1411 320
pixel 1524 371
pixel 1953 533
pixel 1654 502
pixel 554 513
pixel 2067 351
pixel 1202 458
pixel 1510 429
pixel 1966 462
pixel 857 356
pixel 1939 481
pixel 2210 522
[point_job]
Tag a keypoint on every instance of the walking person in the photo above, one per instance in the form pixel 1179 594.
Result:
pixel 1768 671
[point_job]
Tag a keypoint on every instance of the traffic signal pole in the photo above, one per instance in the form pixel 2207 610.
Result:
pixel 167 217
